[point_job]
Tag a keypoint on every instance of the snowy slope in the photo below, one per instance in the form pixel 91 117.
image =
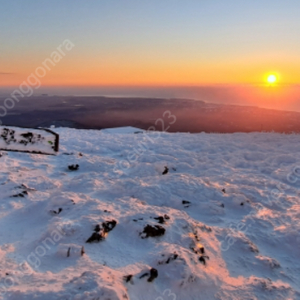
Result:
pixel 233 198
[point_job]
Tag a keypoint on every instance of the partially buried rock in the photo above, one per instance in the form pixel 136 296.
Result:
pixel 153 231
pixel 185 202
pixel 97 228
pixel 127 278
pixel 22 195
pixel 56 212
pixel 100 233
pixel 166 171
pixel 153 275
pixel 109 225
pixel 170 259
pixel 95 237
pixel 160 219
pixel 73 167
pixel 26 188
pixel 203 258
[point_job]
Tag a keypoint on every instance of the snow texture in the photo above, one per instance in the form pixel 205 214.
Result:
pixel 221 223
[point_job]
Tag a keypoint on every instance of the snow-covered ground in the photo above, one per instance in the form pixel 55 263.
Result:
pixel 226 215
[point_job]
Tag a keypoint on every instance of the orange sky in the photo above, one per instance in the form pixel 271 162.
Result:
pixel 152 43
pixel 72 71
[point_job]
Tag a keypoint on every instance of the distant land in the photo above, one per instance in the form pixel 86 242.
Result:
pixel 154 113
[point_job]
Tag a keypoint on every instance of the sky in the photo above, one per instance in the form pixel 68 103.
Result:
pixel 151 43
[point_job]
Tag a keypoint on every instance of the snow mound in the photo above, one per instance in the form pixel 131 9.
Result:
pixel 123 130
pixel 152 216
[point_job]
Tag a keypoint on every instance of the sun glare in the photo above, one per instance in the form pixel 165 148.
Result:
pixel 272 79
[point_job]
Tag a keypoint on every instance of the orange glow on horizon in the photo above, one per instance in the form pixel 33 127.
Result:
pixel 67 73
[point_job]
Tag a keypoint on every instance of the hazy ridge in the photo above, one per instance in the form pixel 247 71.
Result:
pixel 191 115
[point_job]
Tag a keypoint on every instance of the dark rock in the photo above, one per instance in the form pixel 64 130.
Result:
pixel 160 220
pixel 144 275
pixel 19 195
pixel 166 171
pixel 68 253
pixel 56 212
pixel 127 278
pixel 203 259
pixel 153 275
pixel 95 237
pixel 73 167
pixel 100 233
pixel 97 228
pixel 184 202
pixel 153 231
pixel 171 258
pixel 166 217
pixel 109 225
pixel 28 135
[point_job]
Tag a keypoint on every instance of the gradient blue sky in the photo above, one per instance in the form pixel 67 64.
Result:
pixel 170 42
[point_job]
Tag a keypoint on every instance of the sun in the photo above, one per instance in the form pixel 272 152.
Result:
pixel 272 79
